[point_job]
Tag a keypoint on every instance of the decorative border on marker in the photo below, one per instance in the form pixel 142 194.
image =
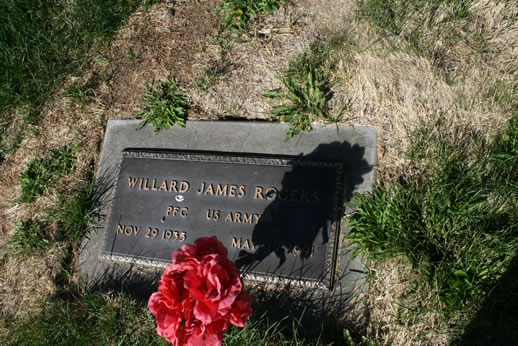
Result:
pixel 275 279
pixel 229 158
pixel 123 258
pixel 288 161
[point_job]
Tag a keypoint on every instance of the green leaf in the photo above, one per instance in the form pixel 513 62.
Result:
pixel 274 93
pixel 281 110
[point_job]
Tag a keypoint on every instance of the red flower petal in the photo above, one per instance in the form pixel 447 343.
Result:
pixel 241 310
pixel 168 321
pixel 199 295
pixel 209 246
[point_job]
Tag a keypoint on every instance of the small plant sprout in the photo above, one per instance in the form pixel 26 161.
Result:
pixel 165 106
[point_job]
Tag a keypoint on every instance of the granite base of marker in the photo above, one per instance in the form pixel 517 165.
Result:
pixel 355 147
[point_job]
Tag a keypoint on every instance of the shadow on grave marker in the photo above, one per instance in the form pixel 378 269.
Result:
pixel 288 229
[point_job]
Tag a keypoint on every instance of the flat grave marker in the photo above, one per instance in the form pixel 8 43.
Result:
pixel 277 206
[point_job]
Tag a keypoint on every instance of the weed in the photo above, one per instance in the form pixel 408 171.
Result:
pixel 240 14
pixel 31 238
pixel 307 90
pixel 456 222
pixel 165 106
pixel 40 173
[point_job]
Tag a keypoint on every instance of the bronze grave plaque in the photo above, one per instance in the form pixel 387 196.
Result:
pixel 278 216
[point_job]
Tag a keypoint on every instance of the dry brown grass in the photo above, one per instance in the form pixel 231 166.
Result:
pixel 26 283
pixel 397 91
pixel 387 87
pixel 397 299
pixel 254 66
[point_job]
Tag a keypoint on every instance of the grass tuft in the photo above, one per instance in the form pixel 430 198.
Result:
pixel 211 74
pixel 165 106
pixel 392 15
pixel 457 221
pixel 31 238
pixel 41 173
pixel 75 214
pixel 80 94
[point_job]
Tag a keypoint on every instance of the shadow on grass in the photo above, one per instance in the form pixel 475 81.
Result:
pixel 311 314
pixel 83 317
pixel 496 323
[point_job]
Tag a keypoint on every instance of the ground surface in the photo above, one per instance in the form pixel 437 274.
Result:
pixel 383 86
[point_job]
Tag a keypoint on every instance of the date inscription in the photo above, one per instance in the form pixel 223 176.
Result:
pixel 152 232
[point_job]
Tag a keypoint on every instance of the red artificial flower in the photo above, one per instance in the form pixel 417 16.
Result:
pixel 199 295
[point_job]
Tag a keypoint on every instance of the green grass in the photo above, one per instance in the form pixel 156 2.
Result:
pixel 31 238
pixel 88 319
pixel 457 221
pixel 93 318
pixel 71 219
pixel 80 94
pixel 165 106
pixel 75 213
pixel 496 323
pixel 42 173
pixel 211 74
pixel 207 78
pixel 504 95
pixel 261 331
pixel 10 139
pixel 240 15
pixel 42 42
